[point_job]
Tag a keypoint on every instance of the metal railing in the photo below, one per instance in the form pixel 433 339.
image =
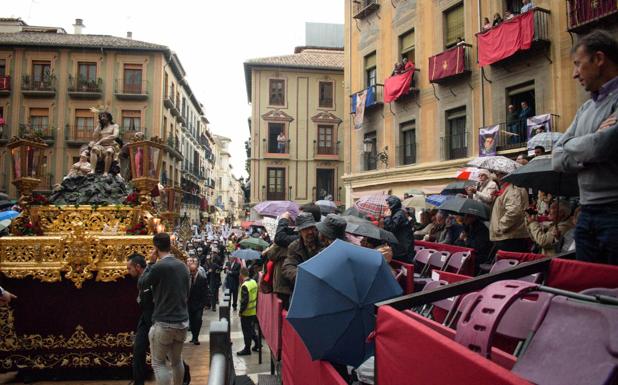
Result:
pixel 48 83
pixel 79 134
pixel 407 153
pixel 274 147
pixel 326 150
pixel 221 371
pixel 376 99
pixel 122 87
pixel 514 134
pixel 363 8
pixel 455 146
pixel 85 85
pixel 370 161
pixel 584 14
pixel 466 63
pixel 45 132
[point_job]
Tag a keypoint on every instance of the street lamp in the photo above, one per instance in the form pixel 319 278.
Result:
pixel 171 200
pixel 27 157
pixel 146 157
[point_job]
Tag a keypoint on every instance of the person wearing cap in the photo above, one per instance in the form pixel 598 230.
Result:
pixel 485 190
pixel 397 223
pixel 331 228
pixel 302 249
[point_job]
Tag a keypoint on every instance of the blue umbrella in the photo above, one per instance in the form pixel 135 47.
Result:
pixel 247 254
pixel 9 214
pixel 437 199
pixel 332 305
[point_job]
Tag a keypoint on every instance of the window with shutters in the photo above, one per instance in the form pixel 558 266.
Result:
pixel 406 46
pixel 132 83
pixel 326 94
pixel 276 184
pixel 39 119
pixel 407 139
pixel 326 139
pixel 453 25
pixel 370 70
pixel 131 120
pixel 84 124
pixel 276 95
pixel 456 143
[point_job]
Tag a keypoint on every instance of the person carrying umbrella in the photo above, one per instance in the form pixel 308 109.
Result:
pixel 304 248
pixel 331 228
pixel 397 223
pixel 588 148
pixel 550 239
pixel 485 190
pixel 507 227
pixel 248 312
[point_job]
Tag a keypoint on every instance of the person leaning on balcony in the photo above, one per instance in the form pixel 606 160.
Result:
pixel 486 24
pixel 281 142
pixel 497 20
pixel 485 190
pixel 527 6
pixel 512 124
pixel 588 148
pixel 524 114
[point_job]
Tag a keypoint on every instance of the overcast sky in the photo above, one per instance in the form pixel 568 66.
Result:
pixel 212 39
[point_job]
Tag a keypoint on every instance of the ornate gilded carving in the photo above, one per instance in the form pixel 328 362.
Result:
pixel 60 219
pixel 11 342
pixel 81 255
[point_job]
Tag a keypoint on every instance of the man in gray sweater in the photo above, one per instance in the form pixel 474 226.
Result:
pixel 170 281
pixel 589 145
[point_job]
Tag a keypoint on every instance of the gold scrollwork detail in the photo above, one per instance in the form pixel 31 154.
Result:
pixel 60 219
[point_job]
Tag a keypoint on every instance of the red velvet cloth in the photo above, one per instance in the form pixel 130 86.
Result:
pixel 297 367
pixel 269 314
pixel 398 85
pixel 446 64
pixel 405 281
pixel 409 353
pixel 506 39
pixel 521 257
pixel 469 265
pixel 577 275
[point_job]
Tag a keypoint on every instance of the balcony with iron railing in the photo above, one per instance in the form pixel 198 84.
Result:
pixel 407 154
pixel 370 161
pixel 324 150
pixel 364 8
pixel 451 64
pixel 78 136
pixel 180 118
pixel 5 85
pixel 275 149
pixel 584 15
pixel 500 36
pixel 5 133
pixel 126 90
pixel 374 97
pixel 41 88
pixel 455 146
pixel 126 133
pixel 47 133
pixel 515 134
pixel 84 88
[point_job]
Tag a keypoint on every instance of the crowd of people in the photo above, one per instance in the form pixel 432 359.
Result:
pixel 527 5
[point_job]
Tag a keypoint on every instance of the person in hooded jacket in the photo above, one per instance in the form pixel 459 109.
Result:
pixel 397 223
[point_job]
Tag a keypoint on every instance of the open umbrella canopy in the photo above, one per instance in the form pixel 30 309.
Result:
pixel 254 243
pixel 247 254
pixel 496 163
pixel 9 214
pixel 372 204
pixel 276 208
pixel 354 212
pixel 461 205
pixel 326 206
pixel 415 201
pixel 363 227
pixel 538 174
pixel 332 307
pixel 545 139
pixel 458 187
pixel 437 199
pixel 468 173
pixel 4 224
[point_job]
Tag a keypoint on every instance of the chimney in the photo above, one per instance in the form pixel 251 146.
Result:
pixel 129 35
pixel 79 25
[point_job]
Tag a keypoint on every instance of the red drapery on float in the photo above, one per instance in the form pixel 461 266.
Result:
pixel 512 35
pixel 398 85
pixel 446 64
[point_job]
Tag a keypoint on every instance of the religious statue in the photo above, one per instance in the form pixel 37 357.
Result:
pixel 83 167
pixel 105 144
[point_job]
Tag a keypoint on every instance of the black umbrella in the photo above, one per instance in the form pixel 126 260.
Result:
pixel 461 205
pixel 458 187
pixel 538 174
pixel 363 227
pixel 353 211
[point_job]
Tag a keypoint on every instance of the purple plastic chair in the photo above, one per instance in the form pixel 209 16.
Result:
pixel 503 264
pixel 421 259
pixel 448 304
pixel 436 261
pixel 601 291
pixel 576 344
pixel 418 248
pixel 457 261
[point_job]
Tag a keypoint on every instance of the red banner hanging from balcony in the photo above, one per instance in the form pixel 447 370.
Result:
pixel 446 64
pixel 398 85
pixel 506 39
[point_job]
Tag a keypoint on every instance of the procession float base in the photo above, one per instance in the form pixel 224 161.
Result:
pixel 76 308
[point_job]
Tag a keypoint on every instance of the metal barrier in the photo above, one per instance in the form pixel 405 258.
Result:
pixel 221 360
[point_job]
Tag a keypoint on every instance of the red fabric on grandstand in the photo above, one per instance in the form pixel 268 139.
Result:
pixel 521 257
pixel 409 352
pixel 406 281
pixel 577 275
pixel 446 64
pixel 469 267
pixel 506 39
pixel 297 367
pixel 269 314
pixel 398 85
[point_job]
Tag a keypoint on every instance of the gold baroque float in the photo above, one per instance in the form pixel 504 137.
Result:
pixel 60 219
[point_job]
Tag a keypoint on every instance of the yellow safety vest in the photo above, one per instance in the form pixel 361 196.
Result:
pixel 252 289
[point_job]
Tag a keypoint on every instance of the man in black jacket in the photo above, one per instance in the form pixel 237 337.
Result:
pixel 397 223
pixel 136 265
pixel 198 298
pixel 213 272
pixel 232 279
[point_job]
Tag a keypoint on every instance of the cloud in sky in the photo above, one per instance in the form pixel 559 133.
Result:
pixel 212 39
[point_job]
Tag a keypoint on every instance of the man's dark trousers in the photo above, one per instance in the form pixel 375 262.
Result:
pixel 247 324
pixel 195 322
pixel 140 347
pixel 596 234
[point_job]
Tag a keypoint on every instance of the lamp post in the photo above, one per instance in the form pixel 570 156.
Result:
pixel 171 199
pixel 145 158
